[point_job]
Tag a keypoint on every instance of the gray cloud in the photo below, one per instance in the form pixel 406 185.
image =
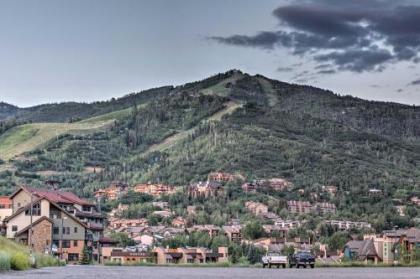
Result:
pixel 414 82
pixel 353 36
pixel 284 69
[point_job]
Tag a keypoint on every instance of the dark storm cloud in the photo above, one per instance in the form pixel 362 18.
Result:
pixel 352 35
pixel 414 82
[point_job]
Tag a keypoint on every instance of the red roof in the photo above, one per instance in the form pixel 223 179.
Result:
pixel 6 201
pixel 57 196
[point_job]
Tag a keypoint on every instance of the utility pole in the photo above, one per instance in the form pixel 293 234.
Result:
pixel 31 232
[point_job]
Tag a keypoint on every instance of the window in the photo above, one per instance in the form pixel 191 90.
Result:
pixel 14 228
pixel 66 243
pixel 73 257
pixel 75 229
pixel 36 210
pixel 74 243
pixel 56 230
pixel 66 230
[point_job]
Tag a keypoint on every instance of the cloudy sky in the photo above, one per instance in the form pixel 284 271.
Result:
pixel 87 50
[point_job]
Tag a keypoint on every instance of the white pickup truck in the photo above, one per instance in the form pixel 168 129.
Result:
pixel 274 259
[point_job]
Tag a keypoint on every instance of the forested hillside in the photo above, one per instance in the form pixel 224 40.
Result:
pixel 237 123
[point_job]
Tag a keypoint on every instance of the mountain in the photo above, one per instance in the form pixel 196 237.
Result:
pixel 232 122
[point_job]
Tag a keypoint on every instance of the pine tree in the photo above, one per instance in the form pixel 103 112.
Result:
pixel 86 259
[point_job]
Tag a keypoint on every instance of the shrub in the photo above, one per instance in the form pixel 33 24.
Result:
pixel 4 261
pixel 42 260
pixel 20 261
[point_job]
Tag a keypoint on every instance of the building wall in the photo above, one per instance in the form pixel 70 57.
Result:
pixel 69 223
pixel 22 220
pixel 41 237
pixel 5 212
pixel 20 199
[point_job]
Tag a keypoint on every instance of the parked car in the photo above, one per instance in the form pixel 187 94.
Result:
pixel 303 258
pixel 274 259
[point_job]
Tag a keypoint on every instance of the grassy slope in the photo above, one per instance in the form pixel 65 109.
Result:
pixel 28 137
pixel 171 140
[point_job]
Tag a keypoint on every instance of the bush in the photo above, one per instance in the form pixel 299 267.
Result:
pixel 4 261
pixel 20 261
pixel 42 260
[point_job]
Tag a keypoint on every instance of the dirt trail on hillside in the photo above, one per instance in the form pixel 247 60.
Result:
pixel 169 141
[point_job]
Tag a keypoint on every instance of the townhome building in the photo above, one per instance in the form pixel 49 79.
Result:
pixel 225 177
pixel 212 230
pixel 61 223
pixel 325 208
pixel 288 224
pixel 256 208
pixel 205 189
pixel 346 225
pixel 233 233
pixel 113 192
pixel 299 207
pixel 155 190
pixel 191 255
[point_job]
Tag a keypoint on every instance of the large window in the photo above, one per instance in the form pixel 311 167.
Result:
pixel 14 228
pixel 73 257
pixel 66 230
pixel 56 230
pixel 36 210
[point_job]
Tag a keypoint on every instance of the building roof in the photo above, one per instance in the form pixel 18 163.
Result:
pixel 362 248
pixel 4 200
pixel 56 196
pixel 34 224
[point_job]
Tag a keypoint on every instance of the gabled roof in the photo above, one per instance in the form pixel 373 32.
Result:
pixel 363 248
pixel 34 224
pixel 22 209
pixel 53 195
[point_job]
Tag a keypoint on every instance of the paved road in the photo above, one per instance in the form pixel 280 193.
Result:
pixel 88 272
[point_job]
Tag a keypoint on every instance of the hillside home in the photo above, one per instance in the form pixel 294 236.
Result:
pixel 113 192
pixel 179 222
pixel 347 225
pixel 332 190
pixel 299 207
pixel 233 233
pixel 288 224
pixel 256 208
pixel 415 200
pixel 205 189
pixel 249 187
pixel 212 230
pixel 325 208
pixel 155 190
pixel 225 177
pixel 276 184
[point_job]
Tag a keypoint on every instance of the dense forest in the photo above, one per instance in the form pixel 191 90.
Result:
pixel 177 135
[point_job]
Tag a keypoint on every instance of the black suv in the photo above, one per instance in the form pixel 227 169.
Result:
pixel 304 259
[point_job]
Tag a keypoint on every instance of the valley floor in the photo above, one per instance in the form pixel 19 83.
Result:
pixel 212 272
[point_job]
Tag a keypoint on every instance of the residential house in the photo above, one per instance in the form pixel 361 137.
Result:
pixel 161 204
pixel 205 189
pixel 361 250
pixel 61 222
pixel 400 209
pixel 162 213
pixel 179 222
pixel 346 225
pixel 299 207
pixel 276 184
pixel 233 233
pixel 155 190
pixel 107 245
pixel 225 177
pixel 390 244
pixel 212 230
pixel 288 224
pixel 113 192
pixel 332 190
pixel 191 210
pixel 325 208
pixel 256 208
pixel 116 223
pixel 249 187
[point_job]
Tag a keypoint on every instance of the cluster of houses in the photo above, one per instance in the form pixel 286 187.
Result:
pixel 118 189
pixel 388 247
